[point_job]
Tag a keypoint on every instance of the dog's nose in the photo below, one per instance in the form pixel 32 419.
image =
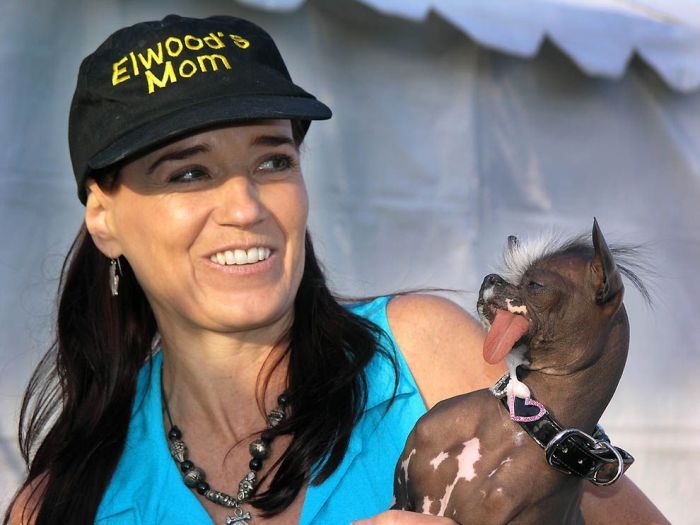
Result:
pixel 493 279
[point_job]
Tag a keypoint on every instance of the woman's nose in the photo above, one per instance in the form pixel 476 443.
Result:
pixel 238 203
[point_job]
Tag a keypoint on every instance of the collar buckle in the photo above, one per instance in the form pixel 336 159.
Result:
pixel 573 451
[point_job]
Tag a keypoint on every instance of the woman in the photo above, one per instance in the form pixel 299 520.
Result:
pixel 193 312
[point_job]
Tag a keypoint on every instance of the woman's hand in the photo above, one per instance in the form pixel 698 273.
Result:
pixel 401 517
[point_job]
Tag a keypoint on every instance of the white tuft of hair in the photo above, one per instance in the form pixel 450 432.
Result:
pixel 521 256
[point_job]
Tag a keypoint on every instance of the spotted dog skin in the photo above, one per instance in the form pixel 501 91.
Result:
pixel 465 459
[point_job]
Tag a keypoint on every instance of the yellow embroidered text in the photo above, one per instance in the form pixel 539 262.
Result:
pixel 159 70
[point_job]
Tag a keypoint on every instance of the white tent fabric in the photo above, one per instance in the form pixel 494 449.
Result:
pixel 600 36
pixel 438 149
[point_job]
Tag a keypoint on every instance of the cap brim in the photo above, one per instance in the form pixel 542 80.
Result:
pixel 206 114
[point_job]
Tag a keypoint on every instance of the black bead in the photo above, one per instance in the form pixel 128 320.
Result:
pixel 202 487
pixel 186 465
pixel 267 436
pixel 283 399
pixel 255 464
pixel 174 433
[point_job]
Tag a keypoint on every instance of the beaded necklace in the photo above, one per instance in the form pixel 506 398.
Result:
pixel 194 477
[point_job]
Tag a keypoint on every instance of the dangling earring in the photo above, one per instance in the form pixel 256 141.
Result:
pixel 115 271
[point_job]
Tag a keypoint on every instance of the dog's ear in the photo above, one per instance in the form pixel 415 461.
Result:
pixel 513 242
pixel 606 277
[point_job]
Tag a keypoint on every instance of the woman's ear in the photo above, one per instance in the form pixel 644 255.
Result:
pixel 98 220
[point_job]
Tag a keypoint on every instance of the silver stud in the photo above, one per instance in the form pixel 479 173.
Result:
pixel 274 417
pixel 115 270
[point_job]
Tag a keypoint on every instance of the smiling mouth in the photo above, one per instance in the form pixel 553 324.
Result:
pixel 240 257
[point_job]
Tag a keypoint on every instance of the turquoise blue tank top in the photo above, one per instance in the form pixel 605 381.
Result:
pixel 147 487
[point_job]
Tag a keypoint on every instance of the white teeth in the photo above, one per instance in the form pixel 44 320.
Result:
pixel 240 256
pixel 252 255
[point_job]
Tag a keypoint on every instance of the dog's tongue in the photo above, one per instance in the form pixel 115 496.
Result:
pixel 505 330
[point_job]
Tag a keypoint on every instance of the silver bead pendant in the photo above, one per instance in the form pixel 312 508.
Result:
pixel 193 476
pixel 246 486
pixel 259 449
pixel 220 498
pixel 178 450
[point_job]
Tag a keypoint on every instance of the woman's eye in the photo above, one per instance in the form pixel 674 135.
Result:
pixel 533 285
pixel 188 175
pixel 277 163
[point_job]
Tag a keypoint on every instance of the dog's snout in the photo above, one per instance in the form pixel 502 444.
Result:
pixel 493 279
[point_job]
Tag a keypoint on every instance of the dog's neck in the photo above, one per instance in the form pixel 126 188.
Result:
pixel 577 398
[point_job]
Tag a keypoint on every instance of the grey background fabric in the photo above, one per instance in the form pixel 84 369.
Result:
pixel 438 149
pixel 600 36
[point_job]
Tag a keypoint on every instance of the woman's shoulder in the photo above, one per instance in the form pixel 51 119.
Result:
pixel 26 504
pixel 442 346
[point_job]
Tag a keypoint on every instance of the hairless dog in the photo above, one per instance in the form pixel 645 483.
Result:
pixel 557 313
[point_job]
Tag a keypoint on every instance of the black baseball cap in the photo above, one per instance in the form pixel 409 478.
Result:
pixel 153 82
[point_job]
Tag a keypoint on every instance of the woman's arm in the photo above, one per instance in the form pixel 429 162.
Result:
pixel 621 503
pixel 429 330
pixel 442 345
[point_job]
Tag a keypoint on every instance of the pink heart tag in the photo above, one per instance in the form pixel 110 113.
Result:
pixel 529 402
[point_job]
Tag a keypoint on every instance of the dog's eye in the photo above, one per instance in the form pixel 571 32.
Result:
pixel 532 285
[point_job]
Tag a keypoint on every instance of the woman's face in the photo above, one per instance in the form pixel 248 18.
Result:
pixel 213 226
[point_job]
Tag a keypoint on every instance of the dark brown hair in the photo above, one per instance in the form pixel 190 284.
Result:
pixel 76 409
